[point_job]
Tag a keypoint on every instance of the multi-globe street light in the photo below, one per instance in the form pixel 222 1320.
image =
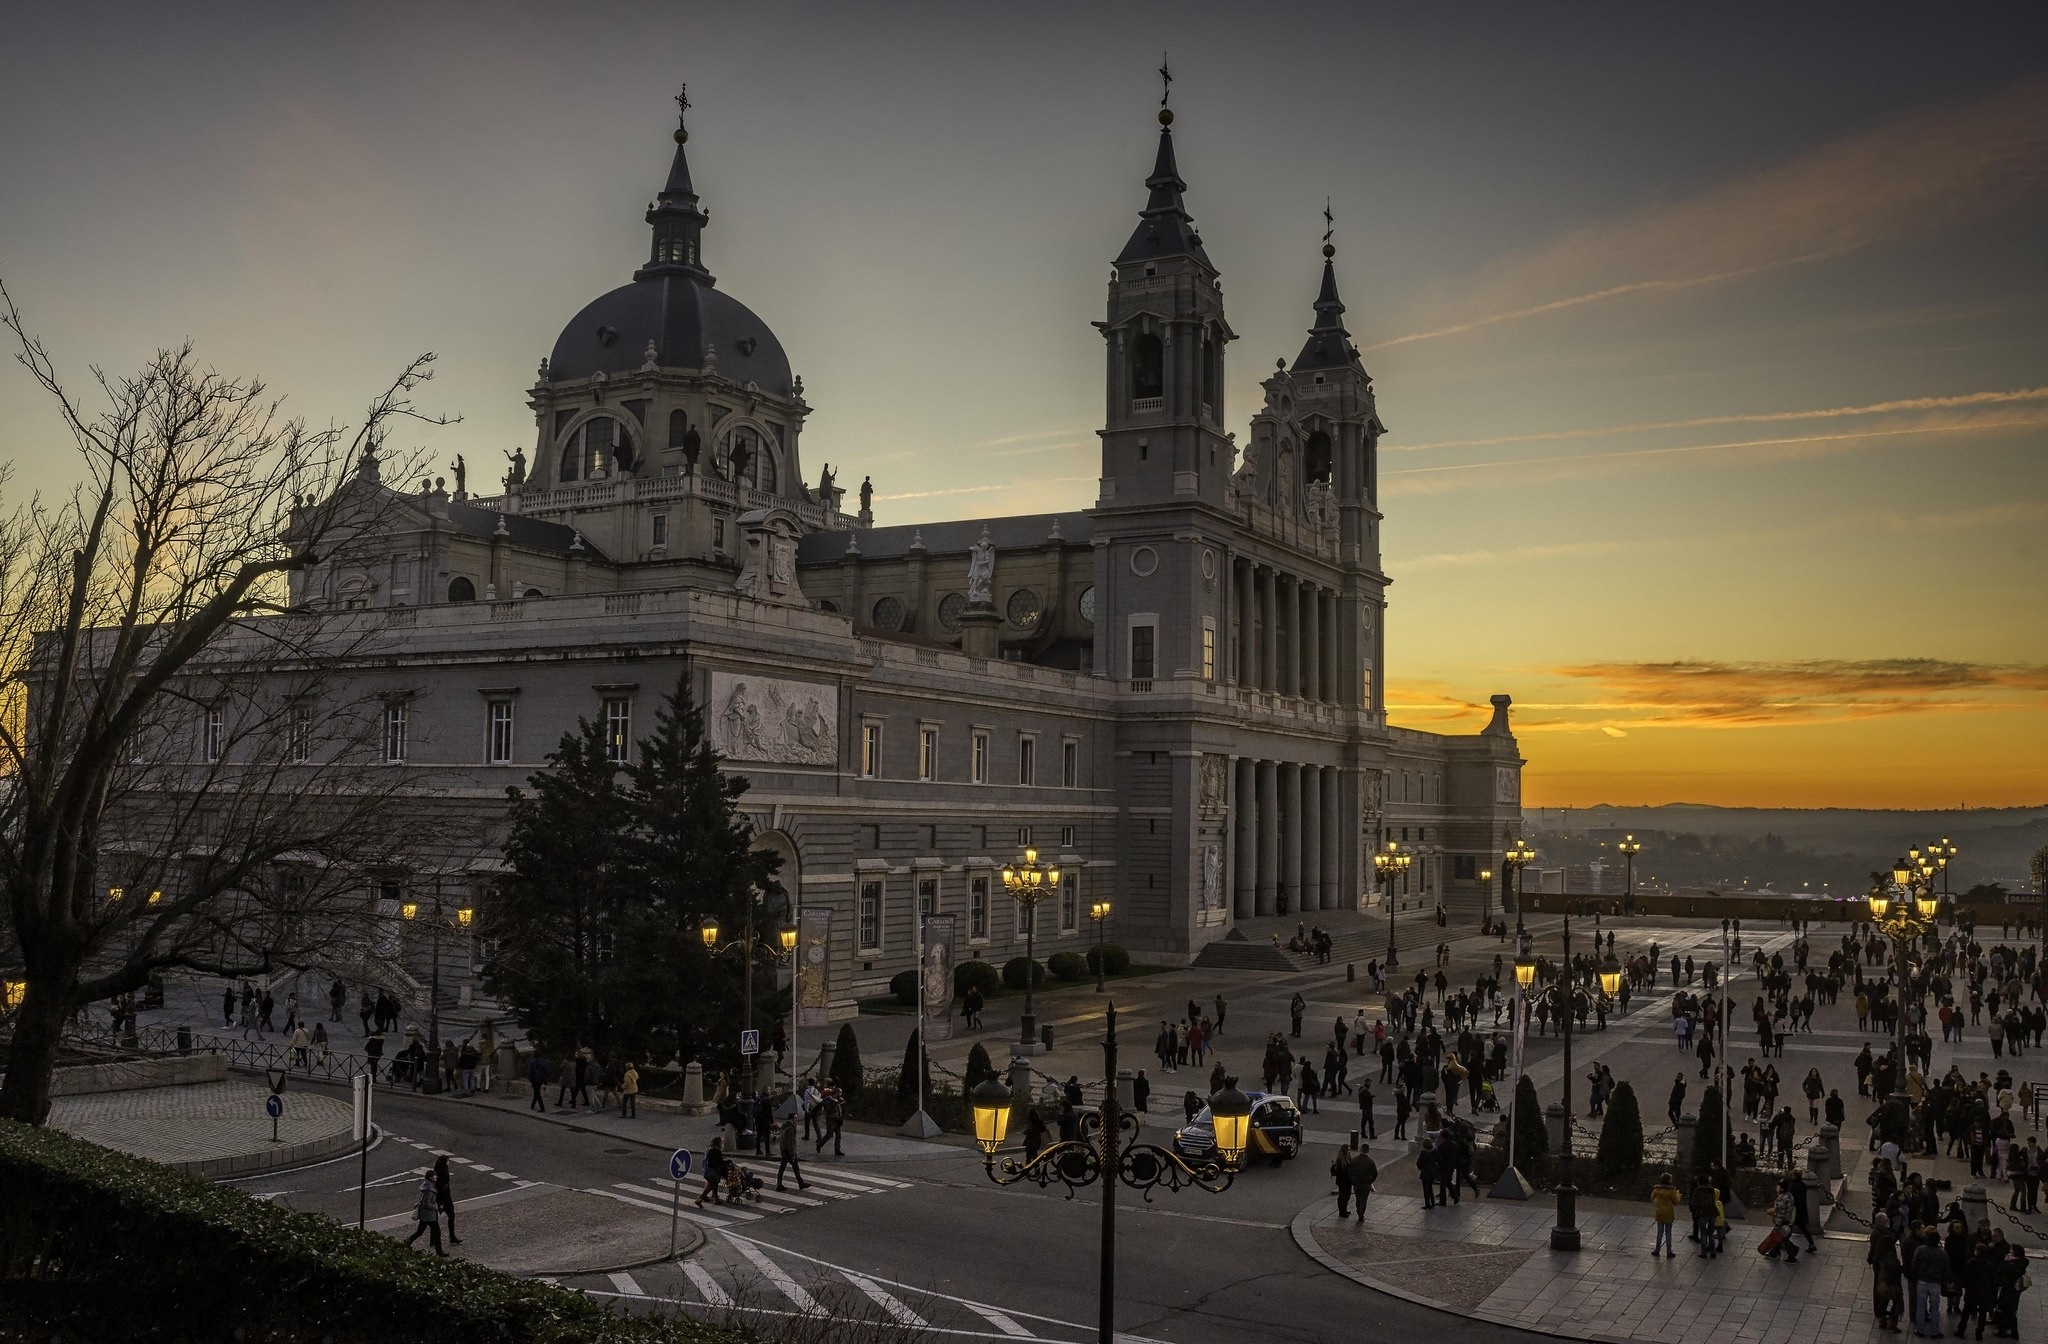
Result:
pixel 1388 865
pixel 746 947
pixel 1565 1236
pixel 1518 857
pixel 1099 912
pixel 1905 911
pixel 430 1080
pixel 1030 882
pixel 1628 849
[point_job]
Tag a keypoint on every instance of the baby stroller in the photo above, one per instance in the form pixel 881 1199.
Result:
pixel 1486 1100
pixel 741 1183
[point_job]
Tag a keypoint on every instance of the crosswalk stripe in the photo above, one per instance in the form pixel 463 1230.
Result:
pixel 706 1285
pixel 863 1178
pixel 837 1182
pixel 686 1214
pixel 998 1320
pixel 775 1274
pixel 724 1210
pixel 790 1197
pixel 887 1301
pixel 626 1284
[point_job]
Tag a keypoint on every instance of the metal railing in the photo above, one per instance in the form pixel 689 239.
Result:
pixel 255 1056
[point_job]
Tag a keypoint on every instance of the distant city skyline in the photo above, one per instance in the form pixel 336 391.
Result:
pixel 1711 347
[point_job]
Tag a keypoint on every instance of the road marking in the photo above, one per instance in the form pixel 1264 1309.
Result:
pixel 998 1320
pixel 860 1178
pixel 776 1275
pixel 887 1301
pixel 406 1219
pixel 791 1197
pixel 663 1208
pixel 706 1285
pixel 626 1284
pixel 724 1210
pixel 849 1188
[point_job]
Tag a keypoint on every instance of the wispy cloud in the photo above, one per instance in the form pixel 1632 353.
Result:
pixel 1559 551
pixel 1914 175
pixel 1010 486
pixel 1753 694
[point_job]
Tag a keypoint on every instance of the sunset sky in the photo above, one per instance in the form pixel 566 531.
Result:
pixel 1713 345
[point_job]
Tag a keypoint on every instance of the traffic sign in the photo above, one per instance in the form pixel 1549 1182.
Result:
pixel 273 1106
pixel 679 1164
pixel 750 1041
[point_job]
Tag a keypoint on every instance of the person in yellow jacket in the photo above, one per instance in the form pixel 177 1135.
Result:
pixel 629 1093
pixel 1664 1206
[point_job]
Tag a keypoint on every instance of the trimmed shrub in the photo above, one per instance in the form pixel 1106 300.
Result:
pixel 1620 1154
pixel 980 1068
pixel 1111 956
pixel 1706 1139
pixel 101 1245
pixel 903 987
pixel 1068 965
pixel 1532 1136
pixel 906 1077
pixel 846 1061
pixel 1016 968
pixel 976 975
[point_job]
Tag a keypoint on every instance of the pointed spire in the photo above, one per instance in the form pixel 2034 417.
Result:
pixel 678 187
pixel 676 217
pixel 1164 227
pixel 1329 344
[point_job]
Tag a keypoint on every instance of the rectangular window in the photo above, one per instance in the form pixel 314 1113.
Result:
pixel 1066 837
pixel 1023 837
pixel 498 740
pixel 927 896
pixel 395 725
pixel 213 734
pixel 1027 759
pixel 977 907
pixel 1464 866
pixel 661 529
pixel 1143 655
pixel 718 534
pixel 980 775
pixel 299 733
pixel 1070 764
pixel 871 749
pixel 1208 651
pixel 927 753
pixel 618 729
pixel 1027 915
pixel 1365 700
pixel 871 914
pixel 1070 901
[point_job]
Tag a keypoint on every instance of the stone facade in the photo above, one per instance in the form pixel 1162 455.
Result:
pixel 1176 693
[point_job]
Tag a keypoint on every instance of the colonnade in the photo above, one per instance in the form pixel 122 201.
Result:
pixel 1286 635
pixel 1286 835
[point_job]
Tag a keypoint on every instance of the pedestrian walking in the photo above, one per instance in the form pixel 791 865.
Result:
pixel 787 1146
pixel 444 1196
pixel 427 1215
pixel 1364 1174
pixel 537 1078
pixel 1220 1007
pixel 1340 1174
pixel 629 1092
pixel 1297 1007
pixel 1664 1198
pixel 715 1165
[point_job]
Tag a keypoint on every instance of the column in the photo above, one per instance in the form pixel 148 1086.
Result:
pixel 1333 650
pixel 1312 642
pixel 1290 597
pixel 1245 826
pixel 1332 837
pixel 1311 837
pixel 1269 636
pixel 1268 886
pixel 1290 835
pixel 1247 627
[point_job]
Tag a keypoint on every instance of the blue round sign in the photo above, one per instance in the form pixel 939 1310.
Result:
pixel 679 1164
pixel 273 1106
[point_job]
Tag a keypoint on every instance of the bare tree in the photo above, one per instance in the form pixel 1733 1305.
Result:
pixel 190 774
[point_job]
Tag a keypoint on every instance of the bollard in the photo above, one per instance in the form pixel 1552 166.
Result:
pixel 765 1066
pixel 693 1084
pixel 1127 1089
pixel 1350 972
pixel 1554 1116
pixel 1975 1206
pixel 1829 1156
pixel 1020 1078
pixel 1814 1195
pixel 184 1040
pixel 1688 1127
pixel 825 1058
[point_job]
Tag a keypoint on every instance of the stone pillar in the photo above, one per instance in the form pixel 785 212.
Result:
pixel 1976 1205
pixel 1246 821
pixel 1269 839
pixel 1269 635
pixel 1555 1119
pixel 1247 628
pixel 1332 835
pixel 1290 636
pixel 1311 837
pixel 1333 649
pixel 1312 643
pixel 1127 1093
pixel 1688 1126
pixel 1290 836
pixel 1829 1151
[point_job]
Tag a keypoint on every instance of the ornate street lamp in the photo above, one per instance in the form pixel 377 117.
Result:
pixel 1108 1152
pixel 747 947
pixel 1629 849
pixel 1518 857
pixel 1388 865
pixel 1486 899
pixel 463 917
pixel 1565 1236
pixel 1030 882
pixel 1904 915
pixel 1099 912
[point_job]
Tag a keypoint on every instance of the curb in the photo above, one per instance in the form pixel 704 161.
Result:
pixel 257 1163
pixel 689 1245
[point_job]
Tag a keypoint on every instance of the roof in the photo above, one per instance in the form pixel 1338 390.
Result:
pixel 1164 229
pixel 1028 531
pixel 532 533
pixel 683 316
pixel 1329 344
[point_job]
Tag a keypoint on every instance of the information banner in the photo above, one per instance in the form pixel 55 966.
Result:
pixel 935 978
pixel 813 944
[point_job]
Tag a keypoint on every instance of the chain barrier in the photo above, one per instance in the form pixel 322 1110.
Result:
pixel 2009 1216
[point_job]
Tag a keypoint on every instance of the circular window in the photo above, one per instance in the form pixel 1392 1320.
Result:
pixel 1208 564
pixel 1144 560
pixel 1025 608
pixel 1088 604
pixel 889 613
pixel 950 608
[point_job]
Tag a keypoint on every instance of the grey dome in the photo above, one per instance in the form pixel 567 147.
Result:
pixel 682 315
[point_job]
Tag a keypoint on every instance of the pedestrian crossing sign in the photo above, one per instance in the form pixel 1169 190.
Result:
pixel 750 1041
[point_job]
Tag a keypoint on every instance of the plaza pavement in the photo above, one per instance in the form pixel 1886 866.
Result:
pixel 210 1129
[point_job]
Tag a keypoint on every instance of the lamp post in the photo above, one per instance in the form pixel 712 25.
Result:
pixel 1486 900
pixel 1028 883
pixel 1388 865
pixel 746 947
pixel 1629 849
pixel 1518 857
pixel 1565 1236
pixel 1904 916
pixel 1107 1152
pixel 1099 912
pixel 464 916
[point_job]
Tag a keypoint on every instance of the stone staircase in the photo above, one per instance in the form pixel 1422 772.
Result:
pixel 1354 938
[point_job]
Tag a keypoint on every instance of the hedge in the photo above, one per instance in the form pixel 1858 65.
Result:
pixel 846 1068
pixel 1068 965
pixel 976 975
pixel 1110 955
pixel 1016 968
pixel 96 1244
pixel 903 985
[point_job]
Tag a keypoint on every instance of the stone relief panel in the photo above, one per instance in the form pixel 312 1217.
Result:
pixel 1212 877
pixel 1507 784
pixel 781 722
pixel 1214 781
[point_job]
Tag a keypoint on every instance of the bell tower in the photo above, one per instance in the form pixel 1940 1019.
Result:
pixel 1163 342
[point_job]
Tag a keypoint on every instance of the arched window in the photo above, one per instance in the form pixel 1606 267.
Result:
pixel 678 428
pixel 1147 367
pixel 748 459
pixel 461 590
pixel 572 458
pixel 1316 454
pixel 597 446
pixel 764 471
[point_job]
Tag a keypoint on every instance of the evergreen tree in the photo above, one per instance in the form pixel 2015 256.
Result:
pixel 913 1057
pixel 557 959
pixel 1620 1154
pixel 1532 1136
pixel 846 1070
pixel 980 1068
pixel 1706 1139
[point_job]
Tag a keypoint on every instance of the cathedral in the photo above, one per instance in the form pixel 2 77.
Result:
pixel 1175 693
